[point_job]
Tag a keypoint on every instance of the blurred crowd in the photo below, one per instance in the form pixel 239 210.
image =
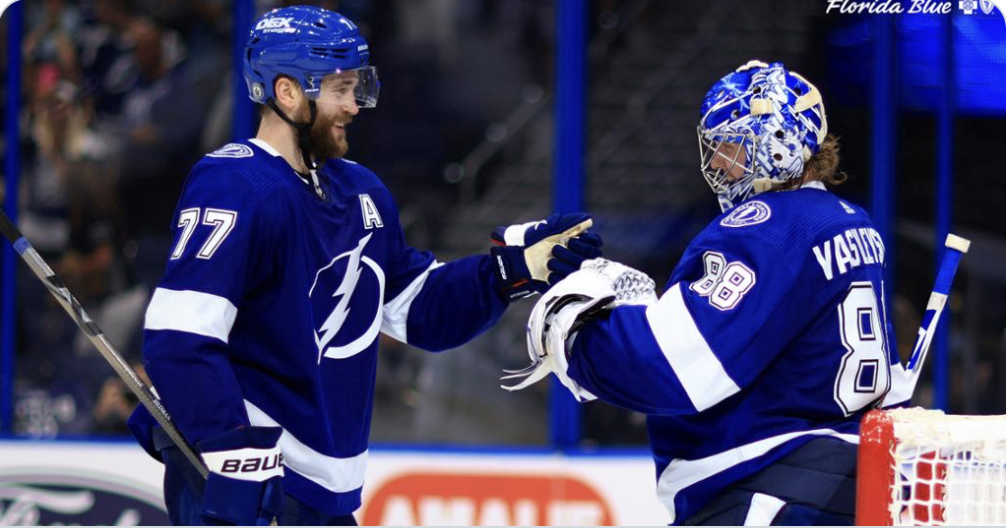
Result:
pixel 119 98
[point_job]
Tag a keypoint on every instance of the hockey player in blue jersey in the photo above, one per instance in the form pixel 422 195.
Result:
pixel 289 260
pixel 772 336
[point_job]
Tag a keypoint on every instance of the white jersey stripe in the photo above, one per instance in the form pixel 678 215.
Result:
pixel 192 312
pixel 260 143
pixel 396 311
pixel 763 510
pixel 694 363
pixel 680 474
pixel 340 475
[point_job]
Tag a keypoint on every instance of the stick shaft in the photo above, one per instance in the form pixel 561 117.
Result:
pixel 97 338
pixel 955 249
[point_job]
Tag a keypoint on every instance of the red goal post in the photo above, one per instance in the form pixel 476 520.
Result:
pixel 922 467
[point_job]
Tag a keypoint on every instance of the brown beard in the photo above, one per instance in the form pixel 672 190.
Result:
pixel 323 145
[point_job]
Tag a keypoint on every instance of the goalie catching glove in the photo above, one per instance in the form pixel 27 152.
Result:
pixel 529 258
pixel 599 285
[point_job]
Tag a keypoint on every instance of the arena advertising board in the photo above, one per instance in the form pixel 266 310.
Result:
pixel 82 483
pixel 79 483
pixel 452 489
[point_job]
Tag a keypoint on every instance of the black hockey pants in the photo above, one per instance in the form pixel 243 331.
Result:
pixel 814 485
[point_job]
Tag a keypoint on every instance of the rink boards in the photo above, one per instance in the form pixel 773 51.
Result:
pixel 117 483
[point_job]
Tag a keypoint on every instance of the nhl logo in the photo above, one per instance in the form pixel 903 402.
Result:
pixel 986 6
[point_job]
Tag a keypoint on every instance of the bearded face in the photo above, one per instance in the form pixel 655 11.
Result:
pixel 328 135
pixel 335 107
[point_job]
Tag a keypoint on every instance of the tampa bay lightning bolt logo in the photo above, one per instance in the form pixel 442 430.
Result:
pixel 346 299
pixel 748 214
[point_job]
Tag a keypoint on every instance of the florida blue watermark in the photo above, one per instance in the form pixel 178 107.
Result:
pixel 914 7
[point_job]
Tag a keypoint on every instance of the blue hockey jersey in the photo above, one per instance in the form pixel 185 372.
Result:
pixel 772 331
pixel 272 303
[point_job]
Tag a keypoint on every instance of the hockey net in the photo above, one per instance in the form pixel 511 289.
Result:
pixel 922 467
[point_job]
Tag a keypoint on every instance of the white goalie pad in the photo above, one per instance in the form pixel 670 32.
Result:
pixel 581 293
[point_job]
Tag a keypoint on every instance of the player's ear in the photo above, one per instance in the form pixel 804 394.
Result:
pixel 288 94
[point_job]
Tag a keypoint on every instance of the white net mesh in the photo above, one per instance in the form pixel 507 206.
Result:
pixel 951 469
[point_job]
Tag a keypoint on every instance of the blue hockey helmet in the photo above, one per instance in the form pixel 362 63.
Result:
pixel 762 123
pixel 307 43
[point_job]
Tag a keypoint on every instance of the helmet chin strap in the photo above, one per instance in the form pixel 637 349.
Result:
pixel 304 142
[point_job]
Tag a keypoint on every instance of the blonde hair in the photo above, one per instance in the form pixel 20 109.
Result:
pixel 823 166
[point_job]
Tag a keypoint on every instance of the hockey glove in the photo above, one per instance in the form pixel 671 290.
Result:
pixel 600 285
pixel 246 472
pixel 529 258
pixel 631 286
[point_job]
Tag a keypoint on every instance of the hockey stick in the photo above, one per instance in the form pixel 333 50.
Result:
pixel 956 248
pixel 97 338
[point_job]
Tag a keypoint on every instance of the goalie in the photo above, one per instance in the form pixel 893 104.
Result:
pixel 772 337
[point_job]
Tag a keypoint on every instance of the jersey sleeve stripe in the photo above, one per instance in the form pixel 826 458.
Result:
pixel 192 312
pixel 901 386
pixel 396 311
pixel 694 363
pixel 335 474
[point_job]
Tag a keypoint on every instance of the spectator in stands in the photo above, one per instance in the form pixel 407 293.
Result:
pixel 160 123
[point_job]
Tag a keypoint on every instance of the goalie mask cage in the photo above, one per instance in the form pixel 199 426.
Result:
pixel 922 467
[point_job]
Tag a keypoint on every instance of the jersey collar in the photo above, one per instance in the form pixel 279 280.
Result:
pixel 260 143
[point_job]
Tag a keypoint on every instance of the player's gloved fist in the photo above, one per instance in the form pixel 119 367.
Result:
pixel 246 471
pixel 529 258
